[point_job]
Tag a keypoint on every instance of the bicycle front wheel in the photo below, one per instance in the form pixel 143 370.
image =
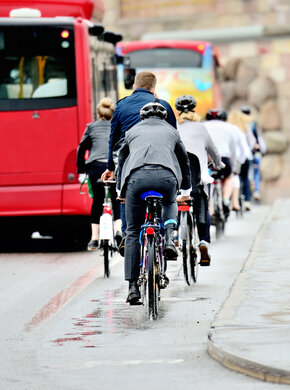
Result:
pixel 106 250
pixel 152 284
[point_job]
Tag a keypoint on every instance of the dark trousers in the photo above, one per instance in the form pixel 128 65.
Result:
pixel 244 175
pixel 158 179
pixel 95 170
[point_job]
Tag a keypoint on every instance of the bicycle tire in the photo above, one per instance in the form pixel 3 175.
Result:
pixel 193 254
pixel 106 250
pixel 152 283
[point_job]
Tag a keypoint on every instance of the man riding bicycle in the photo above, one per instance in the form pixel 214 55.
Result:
pixel 152 157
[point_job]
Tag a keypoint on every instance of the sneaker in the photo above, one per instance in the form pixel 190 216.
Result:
pixel 247 206
pixel 93 245
pixel 204 256
pixel 256 195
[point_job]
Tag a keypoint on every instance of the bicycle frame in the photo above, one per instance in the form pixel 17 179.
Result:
pixel 152 265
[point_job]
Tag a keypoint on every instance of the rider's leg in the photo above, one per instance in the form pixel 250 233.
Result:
pixel 236 192
pixel 228 187
pixel 169 214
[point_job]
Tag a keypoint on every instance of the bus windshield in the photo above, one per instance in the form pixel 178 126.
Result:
pixel 37 67
pixel 165 58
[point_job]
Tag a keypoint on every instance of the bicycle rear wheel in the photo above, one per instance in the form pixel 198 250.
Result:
pixel 106 250
pixel 152 284
pixel 194 257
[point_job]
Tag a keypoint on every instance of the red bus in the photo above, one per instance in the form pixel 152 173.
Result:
pixel 182 68
pixel 55 65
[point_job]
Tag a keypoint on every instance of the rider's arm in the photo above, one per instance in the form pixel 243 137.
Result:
pixel 183 160
pixel 84 145
pixel 123 154
pixel 114 138
pixel 213 152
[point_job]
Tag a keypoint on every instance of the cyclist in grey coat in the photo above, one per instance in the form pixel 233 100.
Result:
pixel 152 157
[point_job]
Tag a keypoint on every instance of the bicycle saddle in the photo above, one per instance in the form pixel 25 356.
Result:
pixel 151 194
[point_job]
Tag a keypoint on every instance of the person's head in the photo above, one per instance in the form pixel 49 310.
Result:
pixel 153 109
pixel 216 114
pixel 185 105
pixel 238 118
pixel 146 80
pixel 105 109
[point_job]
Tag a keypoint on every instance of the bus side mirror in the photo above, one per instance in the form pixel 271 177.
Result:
pixel 129 77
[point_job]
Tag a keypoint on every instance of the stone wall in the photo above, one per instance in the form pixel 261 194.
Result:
pixel 254 74
pixel 256 70
pixel 135 18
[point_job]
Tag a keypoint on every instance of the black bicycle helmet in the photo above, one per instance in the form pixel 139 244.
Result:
pixel 185 103
pixel 153 109
pixel 246 110
pixel 218 114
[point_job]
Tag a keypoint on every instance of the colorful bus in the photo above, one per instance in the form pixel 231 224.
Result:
pixel 181 67
pixel 55 65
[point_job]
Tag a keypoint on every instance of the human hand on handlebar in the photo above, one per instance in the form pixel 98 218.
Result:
pixel 82 177
pixel 182 198
pixel 107 175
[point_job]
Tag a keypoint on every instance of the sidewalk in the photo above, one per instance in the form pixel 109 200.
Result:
pixel 251 332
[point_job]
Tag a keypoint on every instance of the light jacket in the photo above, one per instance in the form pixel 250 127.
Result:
pixel 153 142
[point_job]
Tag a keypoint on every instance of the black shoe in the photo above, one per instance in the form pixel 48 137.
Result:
pixel 170 252
pixel 118 238
pixel 122 245
pixel 93 245
pixel 134 293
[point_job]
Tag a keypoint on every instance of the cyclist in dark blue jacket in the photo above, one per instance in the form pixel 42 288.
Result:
pixel 127 112
pixel 126 115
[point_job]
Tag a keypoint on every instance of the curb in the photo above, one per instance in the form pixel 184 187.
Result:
pixel 235 362
pixel 242 347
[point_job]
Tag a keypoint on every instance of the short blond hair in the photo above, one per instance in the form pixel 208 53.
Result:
pixel 145 80
pixel 105 109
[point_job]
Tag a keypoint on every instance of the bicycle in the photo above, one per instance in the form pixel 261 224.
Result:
pixel 218 218
pixel 188 240
pixel 152 273
pixel 106 232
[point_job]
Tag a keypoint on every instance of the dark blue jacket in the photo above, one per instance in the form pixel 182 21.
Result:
pixel 127 114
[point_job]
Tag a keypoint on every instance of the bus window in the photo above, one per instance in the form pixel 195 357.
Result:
pixel 181 68
pixel 165 58
pixel 36 63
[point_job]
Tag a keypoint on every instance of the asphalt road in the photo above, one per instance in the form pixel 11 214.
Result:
pixel 64 327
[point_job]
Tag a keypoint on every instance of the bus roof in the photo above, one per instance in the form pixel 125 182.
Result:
pixel 127 47
pixel 52 8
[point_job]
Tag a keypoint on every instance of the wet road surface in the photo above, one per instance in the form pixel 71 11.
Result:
pixel 65 327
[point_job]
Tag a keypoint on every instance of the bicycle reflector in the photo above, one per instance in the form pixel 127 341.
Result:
pixel 107 210
pixel 150 231
pixel 183 207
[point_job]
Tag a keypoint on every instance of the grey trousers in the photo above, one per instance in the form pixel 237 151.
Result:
pixel 158 179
